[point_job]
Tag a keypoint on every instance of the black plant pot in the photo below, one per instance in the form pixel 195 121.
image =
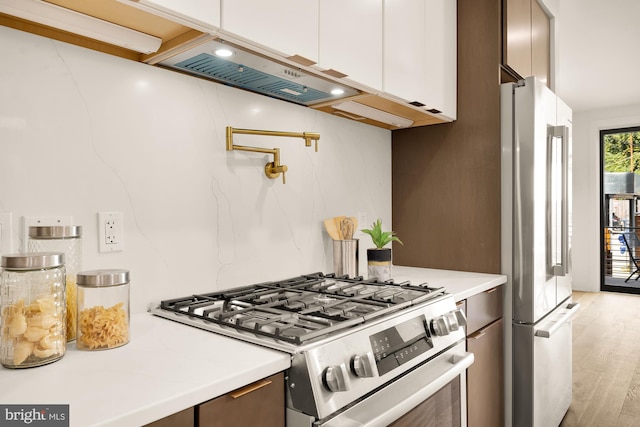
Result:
pixel 379 263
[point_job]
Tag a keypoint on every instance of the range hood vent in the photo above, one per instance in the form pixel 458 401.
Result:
pixel 251 71
pixel 245 77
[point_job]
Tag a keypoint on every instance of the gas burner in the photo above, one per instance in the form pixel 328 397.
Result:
pixel 302 309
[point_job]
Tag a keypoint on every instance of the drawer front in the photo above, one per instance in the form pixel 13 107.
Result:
pixel 258 404
pixel 485 395
pixel 183 419
pixel 483 309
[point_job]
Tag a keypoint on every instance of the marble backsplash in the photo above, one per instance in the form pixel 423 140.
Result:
pixel 83 132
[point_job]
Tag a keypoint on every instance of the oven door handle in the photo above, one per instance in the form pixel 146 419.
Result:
pixel 400 397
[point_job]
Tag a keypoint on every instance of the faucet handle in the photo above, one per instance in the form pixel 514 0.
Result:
pixel 272 171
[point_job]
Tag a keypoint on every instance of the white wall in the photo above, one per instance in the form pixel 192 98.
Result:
pixel 83 132
pixel 586 189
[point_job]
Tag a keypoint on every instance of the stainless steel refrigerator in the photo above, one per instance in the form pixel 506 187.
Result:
pixel 536 253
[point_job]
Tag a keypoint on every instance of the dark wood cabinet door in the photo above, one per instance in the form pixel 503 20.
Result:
pixel 540 43
pixel 483 309
pixel 485 388
pixel 184 418
pixel 516 52
pixel 258 404
pixel 526 49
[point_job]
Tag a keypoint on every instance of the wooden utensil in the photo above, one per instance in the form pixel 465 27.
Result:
pixel 332 230
pixel 346 228
pixel 338 221
pixel 354 221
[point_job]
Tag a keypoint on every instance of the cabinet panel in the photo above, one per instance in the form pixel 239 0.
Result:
pixel 287 26
pixel 455 164
pixel 350 39
pixel 483 308
pixel 517 36
pixel 485 395
pixel 419 57
pixel 405 50
pixel 179 419
pixel 258 404
pixel 203 15
pixel 540 43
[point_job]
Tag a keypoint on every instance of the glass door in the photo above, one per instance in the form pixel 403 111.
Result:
pixel 620 213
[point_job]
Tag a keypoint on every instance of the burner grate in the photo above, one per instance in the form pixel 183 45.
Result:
pixel 303 308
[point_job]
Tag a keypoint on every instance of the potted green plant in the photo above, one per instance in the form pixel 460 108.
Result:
pixel 379 258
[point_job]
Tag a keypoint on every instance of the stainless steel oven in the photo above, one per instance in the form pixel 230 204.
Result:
pixel 363 353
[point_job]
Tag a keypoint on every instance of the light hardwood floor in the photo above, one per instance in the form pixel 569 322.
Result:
pixel 606 361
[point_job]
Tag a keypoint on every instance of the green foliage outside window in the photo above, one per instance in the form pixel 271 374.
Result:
pixel 619 153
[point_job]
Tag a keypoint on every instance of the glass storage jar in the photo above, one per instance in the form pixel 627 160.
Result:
pixel 68 240
pixel 103 309
pixel 32 308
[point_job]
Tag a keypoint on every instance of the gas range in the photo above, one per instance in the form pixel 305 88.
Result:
pixel 347 337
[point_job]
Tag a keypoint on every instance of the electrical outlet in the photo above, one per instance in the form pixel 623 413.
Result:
pixel 6 229
pixel 110 231
pixel 28 221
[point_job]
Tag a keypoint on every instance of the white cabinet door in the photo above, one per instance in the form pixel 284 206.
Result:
pixel 420 52
pixel 351 39
pixel 290 27
pixel 203 15
pixel 405 53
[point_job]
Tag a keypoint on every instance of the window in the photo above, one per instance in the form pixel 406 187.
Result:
pixel 620 216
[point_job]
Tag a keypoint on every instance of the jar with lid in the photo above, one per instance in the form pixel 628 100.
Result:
pixel 32 308
pixel 103 309
pixel 68 240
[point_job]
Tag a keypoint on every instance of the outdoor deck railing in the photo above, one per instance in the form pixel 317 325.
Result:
pixel 617 257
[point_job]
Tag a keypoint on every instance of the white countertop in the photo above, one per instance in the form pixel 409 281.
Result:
pixel 461 284
pixel 168 367
pixel 165 368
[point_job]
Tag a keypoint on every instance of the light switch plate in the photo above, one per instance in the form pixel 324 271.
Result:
pixel 28 221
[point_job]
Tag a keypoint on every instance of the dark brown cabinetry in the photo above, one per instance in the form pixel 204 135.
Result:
pixel 258 404
pixel 184 418
pixel 526 40
pixel 446 178
pixel 485 378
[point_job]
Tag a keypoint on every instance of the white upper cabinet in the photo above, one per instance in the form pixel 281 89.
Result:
pixel 289 27
pixel 351 40
pixel 202 15
pixel 420 53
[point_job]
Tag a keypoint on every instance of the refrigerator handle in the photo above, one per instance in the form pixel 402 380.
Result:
pixel 566 317
pixel 559 265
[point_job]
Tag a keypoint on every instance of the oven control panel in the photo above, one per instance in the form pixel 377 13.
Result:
pixel 343 369
pixel 399 344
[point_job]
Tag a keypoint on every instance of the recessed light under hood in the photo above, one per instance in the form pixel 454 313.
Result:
pixel 256 73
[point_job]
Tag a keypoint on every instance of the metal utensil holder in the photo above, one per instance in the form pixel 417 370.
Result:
pixel 345 257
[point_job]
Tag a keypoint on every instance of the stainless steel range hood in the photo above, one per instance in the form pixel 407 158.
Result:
pixel 256 73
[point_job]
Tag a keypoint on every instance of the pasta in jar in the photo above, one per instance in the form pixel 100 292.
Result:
pixel 103 309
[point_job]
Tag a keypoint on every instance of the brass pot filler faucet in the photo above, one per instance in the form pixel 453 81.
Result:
pixel 272 169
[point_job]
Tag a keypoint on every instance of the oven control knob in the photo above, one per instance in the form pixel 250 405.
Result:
pixel 362 365
pixel 459 316
pixel 440 326
pixel 447 323
pixel 335 378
